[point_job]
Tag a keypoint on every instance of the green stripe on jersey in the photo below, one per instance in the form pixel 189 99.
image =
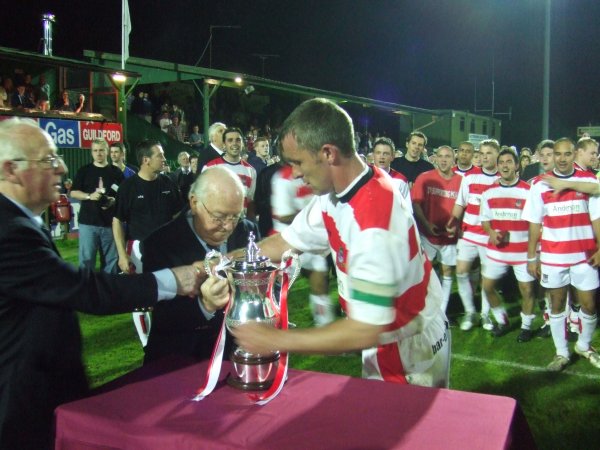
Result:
pixel 373 293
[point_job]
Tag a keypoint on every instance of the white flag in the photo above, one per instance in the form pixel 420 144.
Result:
pixel 125 35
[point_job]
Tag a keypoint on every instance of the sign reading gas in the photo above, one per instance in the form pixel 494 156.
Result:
pixel 64 132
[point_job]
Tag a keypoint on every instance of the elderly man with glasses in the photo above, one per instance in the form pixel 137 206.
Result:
pixel 213 222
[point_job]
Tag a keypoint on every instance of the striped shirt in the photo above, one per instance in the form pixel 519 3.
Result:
pixel 288 196
pixel 567 234
pixel 383 275
pixel 244 170
pixel 470 171
pixel 502 206
pixel 469 197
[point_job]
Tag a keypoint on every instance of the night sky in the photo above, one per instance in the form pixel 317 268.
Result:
pixel 425 53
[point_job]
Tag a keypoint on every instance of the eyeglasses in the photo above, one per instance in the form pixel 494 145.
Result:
pixel 51 162
pixel 222 221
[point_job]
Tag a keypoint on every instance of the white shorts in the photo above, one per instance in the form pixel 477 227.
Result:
pixel 317 263
pixel 422 359
pixel 445 253
pixel 467 251
pixel 581 276
pixel 494 270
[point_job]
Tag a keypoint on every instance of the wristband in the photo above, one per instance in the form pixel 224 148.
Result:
pixel 532 259
pixel 89 197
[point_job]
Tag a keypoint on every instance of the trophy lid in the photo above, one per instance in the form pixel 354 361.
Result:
pixel 253 260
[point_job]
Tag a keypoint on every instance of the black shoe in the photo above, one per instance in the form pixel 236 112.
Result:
pixel 524 335
pixel 501 330
pixel 544 331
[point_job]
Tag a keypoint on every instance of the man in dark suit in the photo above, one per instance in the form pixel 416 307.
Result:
pixel 40 342
pixel 215 147
pixel 212 223
pixel 545 154
pixel 183 176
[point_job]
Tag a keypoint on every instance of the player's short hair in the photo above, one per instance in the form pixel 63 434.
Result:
pixel 544 143
pixel 385 141
pixel 233 130
pixel 586 142
pixel 417 134
pixel 511 152
pixel 467 143
pixel 490 143
pixel 144 149
pixel 318 122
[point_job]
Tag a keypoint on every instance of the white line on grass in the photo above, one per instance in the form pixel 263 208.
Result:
pixel 526 367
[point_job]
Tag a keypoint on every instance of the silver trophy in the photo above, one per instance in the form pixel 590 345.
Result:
pixel 253 279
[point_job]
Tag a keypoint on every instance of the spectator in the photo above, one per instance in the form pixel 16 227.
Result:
pixel 175 130
pixel 196 139
pixel 413 164
pixel 215 147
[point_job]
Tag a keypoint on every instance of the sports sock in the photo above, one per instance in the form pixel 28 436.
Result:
pixel 465 291
pixel 446 288
pixel 321 308
pixel 526 321
pixel 588 325
pixel 500 315
pixel 485 305
pixel 558 328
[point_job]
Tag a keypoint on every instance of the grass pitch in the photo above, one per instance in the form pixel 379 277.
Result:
pixel 563 410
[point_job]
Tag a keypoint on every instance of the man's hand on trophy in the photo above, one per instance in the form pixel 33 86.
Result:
pixel 257 338
pixel 188 279
pixel 215 293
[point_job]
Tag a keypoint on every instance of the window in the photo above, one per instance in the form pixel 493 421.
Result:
pixel 462 123
pixel 484 127
pixel 472 127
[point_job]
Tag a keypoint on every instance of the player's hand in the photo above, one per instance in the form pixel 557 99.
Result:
pixel 451 226
pixel 257 338
pixel 434 230
pixel 215 293
pixel 594 260
pixel 534 269
pixel 555 183
pixel 125 264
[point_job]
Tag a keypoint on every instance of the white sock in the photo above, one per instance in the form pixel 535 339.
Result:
pixel 500 315
pixel 588 326
pixel 322 309
pixel 465 291
pixel 446 288
pixel 526 321
pixel 485 305
pixel 558 328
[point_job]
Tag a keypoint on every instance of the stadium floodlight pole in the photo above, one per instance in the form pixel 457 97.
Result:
pixel 546 93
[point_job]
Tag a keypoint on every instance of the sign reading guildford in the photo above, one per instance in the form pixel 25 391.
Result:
pixel 79 134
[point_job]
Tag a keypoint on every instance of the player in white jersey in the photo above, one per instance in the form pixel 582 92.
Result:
pixel 387 287
pixel 383 155
pixel 473 242
pixel 288 196
pixel 568 226
pixel 232 160
pixel 501 208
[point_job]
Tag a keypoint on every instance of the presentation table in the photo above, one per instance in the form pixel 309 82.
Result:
pixel 152 408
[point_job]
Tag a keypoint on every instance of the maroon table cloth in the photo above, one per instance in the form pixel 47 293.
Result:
pixel 151 408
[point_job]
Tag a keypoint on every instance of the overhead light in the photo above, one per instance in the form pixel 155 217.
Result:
pixel 211 81
pixel 119 77
pixel 238 80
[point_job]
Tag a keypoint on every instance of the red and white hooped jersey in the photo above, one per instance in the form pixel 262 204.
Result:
pixel 384 278
pixel 402 183
pixel 502 206
pixel 244 170
pixel 567 234
pixel 288 196
pixel 469 197
pixel 470 171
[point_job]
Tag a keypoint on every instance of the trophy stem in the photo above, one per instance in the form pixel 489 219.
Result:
pixel 252 372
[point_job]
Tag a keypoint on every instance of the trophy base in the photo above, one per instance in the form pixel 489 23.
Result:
pixel 252 372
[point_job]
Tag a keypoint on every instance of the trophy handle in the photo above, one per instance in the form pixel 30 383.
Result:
pixel 215 264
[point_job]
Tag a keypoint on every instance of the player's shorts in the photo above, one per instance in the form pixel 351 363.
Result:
pixel 494 270
pixel 467 251
pixel 310 261
pixel 422 359
pixel 582 276
pixel 445 253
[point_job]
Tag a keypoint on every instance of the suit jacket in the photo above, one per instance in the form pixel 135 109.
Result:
pixel 179 326
pixel 183 181
pixel 531 171
pixel 206 155
pixel 40 342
